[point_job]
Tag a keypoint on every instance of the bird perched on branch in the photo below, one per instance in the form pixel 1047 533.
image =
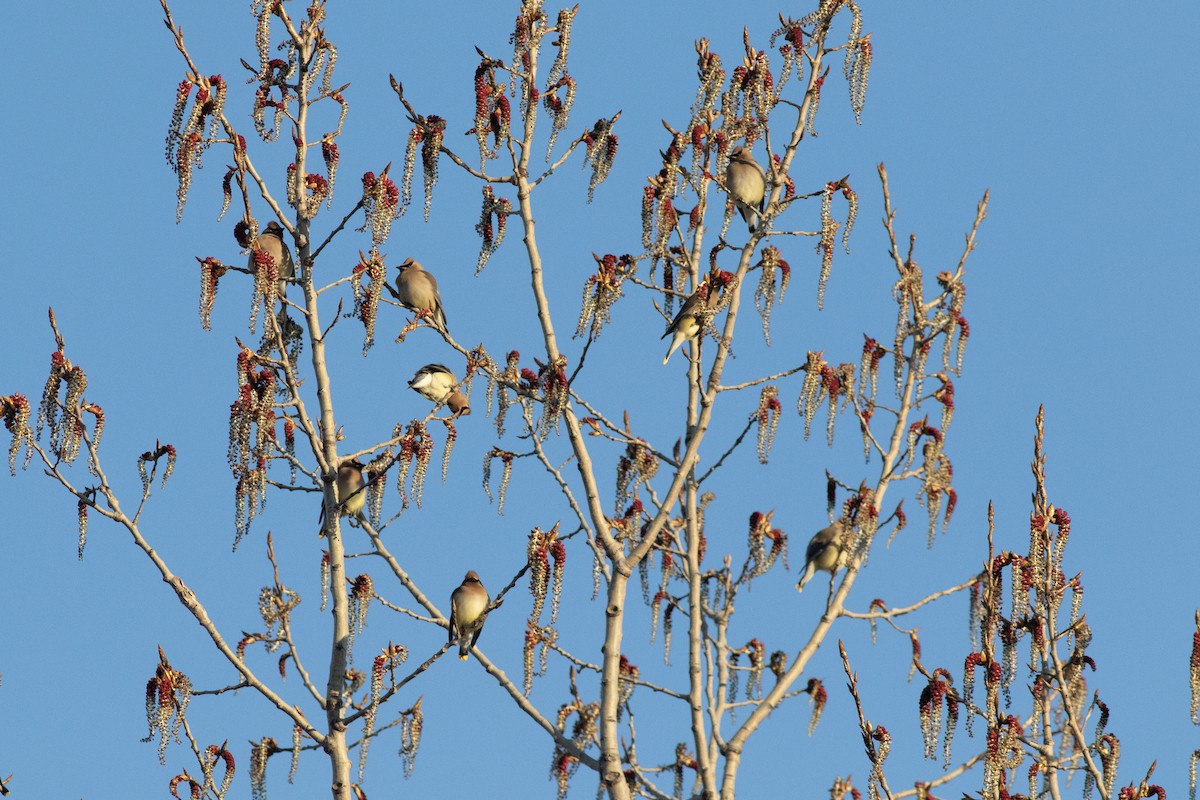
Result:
pixel 828 550
pixel 417 290
pixel 688 322
pixel 352 488
pixel 437 383
pixel 351 491
pixel 747 185
pixel 271 242
pixel 467 604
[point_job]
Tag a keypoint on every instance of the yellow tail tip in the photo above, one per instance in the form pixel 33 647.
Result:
pixel 464 658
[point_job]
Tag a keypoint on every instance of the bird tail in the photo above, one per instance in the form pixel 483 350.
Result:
pixel 810 569
pixel 464 651
pixel 678 340
pixel 750 215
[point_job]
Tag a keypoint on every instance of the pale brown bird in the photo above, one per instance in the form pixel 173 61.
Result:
pixel 352 491
pixel 271 242
pixel 417 290
pixel 437 383
pixel 458 403
pixel 747 185
pixel 687 323
pixel 828 550
pixel 352 488
pixel 467 604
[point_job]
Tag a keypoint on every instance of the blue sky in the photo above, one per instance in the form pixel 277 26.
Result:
pixel 1081 296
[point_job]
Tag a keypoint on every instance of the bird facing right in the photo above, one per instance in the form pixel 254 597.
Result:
pixel 467 604
pixel 828 550
pixel 352 493
pixel 417 290
pixel 747 184
pixel 437 383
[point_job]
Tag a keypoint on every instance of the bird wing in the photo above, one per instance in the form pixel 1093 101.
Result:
pixel 455 597
pixel 688 310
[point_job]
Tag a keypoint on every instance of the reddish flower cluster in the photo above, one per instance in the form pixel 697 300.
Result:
pixel 251 438
pixel 506 458
pixel 366 298
pixel 15 411
pixel 637 465
pixel 761 560
pixel 416 451
pixel 167 696
pixel 766 294
pixel 492 110
pixel 767 416
pixel 381 205
pixel 544 545
pixel 936 693
pixel 492 236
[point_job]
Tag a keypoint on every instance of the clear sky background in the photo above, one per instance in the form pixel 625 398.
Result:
pixel 1082 294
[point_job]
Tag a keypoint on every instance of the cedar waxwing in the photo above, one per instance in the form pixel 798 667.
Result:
pixel 437 383
pixel 467 604
pixel 828 550
pixel 417 290
pixel 747 185
pixel 686 324
pixel 271 242
pixel 459 405
pixel 352 489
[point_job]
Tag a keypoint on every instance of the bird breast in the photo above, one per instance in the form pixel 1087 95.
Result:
pixel 469 608
pixel 827 558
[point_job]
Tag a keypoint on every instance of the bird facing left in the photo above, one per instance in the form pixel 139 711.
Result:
pixel 417 290
pixel 271 242
pixel 351 492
